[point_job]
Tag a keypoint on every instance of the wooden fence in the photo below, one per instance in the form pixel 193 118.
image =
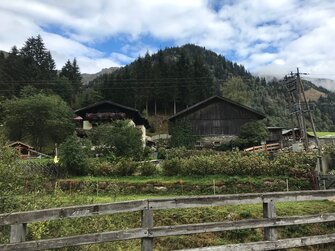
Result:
pixel 265 148
pixel 19 220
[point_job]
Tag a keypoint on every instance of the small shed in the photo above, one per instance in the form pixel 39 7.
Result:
pixel 275 135
pixel 26 151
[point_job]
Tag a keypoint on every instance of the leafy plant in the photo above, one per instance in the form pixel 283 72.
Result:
pixel 120 138
pixel 181 134
pixel 73 156
pixel 147 169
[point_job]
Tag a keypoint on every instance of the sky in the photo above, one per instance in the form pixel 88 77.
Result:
pixel 271 37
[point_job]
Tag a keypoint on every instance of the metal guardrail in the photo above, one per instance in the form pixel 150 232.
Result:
pixel 148 231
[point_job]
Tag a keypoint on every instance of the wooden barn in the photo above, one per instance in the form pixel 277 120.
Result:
pixel 217 118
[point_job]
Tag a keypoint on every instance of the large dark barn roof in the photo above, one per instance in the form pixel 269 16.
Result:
pixel 197 106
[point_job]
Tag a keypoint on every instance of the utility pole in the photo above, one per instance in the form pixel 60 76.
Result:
pixel 303 128
pixel 298 97
pixel 308 110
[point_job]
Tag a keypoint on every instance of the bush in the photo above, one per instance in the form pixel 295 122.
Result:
pixel 172 166
pixel 181 134
pixel 299 165
pixel 119 167
pixel 125 167
pixel 200 165
pixel 251 134
pixel 120 139
pixel 183 152
pixel 73 156
pixel 98 167
pixel 148 169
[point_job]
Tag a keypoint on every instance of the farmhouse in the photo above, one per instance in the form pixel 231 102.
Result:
pixel 217 119
pixel 107 111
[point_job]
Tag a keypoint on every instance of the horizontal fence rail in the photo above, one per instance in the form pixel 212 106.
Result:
pixel 148 232
pixel 266 147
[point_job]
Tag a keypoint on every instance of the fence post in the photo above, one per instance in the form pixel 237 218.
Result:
pixel 269 211
pixel 18 233
pixel 147 243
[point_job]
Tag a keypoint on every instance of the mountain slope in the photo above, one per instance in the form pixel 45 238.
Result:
pixel 175 78
pixel 87 77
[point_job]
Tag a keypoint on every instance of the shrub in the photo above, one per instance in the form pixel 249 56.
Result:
pixel 125 167
pixel 241 163
pixel 200 165
pixel 119 167
pixel 100 168
pixel 73 157
pixel 147 169
pixel 120 139
pixel 172 166
pixel 181 134
pixel 251 134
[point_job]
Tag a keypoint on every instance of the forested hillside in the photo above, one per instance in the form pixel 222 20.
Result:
pixel 175 78
pixel 162 83
pixel 33 67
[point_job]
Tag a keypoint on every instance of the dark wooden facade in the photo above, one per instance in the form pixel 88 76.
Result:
pixel 217 116
pixel 275 135
pixel 105 111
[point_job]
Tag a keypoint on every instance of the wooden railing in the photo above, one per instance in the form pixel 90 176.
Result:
pixel 148 231
pixel 266 147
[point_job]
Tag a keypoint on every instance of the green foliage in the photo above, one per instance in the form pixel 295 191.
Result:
pixel 33 65
pixel 119 138
pixel 117 168
pixel 125 167
pixel 181 134
pixel 147 169
pixel 251 134
pixel 239 163
pixel 235 89
pixel 38 61
pixel 39 119
pixel 172 167
pixel 73 156
pixel 178 76
pixel 17 180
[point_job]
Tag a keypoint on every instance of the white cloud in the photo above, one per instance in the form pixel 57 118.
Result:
pixel 264 35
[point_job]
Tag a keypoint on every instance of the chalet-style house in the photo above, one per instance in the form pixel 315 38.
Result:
pixel 217 119
pixel 107 111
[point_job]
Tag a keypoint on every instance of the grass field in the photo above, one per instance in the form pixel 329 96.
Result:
pixel 67 227
pixel 323 134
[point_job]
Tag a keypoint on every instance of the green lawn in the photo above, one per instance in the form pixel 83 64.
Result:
pixel 323 134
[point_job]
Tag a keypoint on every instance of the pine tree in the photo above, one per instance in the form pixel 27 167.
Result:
pixel 72 73
pixel 38 61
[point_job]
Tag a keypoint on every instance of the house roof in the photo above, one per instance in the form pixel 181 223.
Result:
pixel 197 106
pixel 20 143
pixel 135 114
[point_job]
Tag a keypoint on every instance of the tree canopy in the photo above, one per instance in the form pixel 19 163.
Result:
pixel 119 138
pixel 38 119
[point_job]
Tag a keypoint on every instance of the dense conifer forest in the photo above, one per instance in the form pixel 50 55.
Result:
pixel 162 83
